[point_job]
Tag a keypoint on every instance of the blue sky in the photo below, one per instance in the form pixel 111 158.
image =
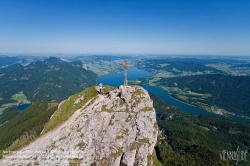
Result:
pixel 209 27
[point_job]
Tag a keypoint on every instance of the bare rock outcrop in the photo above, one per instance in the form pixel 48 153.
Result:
pixel 109 130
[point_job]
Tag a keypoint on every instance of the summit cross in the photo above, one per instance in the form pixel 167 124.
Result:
pixel 125 67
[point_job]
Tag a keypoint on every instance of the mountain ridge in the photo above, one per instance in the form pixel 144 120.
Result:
pixel 106 130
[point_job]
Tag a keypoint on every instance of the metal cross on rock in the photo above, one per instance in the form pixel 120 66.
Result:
pixel 125 67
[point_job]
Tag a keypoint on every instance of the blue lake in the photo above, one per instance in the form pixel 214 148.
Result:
pixel 22 106
pixel 167 98
pixel 116 79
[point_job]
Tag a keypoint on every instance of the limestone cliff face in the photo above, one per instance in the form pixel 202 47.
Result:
pixel 119 129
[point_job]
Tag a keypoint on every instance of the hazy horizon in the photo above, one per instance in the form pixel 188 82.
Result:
pixel 61 55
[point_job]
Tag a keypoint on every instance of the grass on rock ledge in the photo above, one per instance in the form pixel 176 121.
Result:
pixel 67 108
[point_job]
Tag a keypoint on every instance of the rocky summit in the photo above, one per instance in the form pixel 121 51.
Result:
pixel 118 128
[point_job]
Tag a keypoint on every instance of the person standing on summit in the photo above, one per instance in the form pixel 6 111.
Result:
pixel 100 88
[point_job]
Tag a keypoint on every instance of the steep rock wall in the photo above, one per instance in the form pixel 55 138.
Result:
pixel 115 129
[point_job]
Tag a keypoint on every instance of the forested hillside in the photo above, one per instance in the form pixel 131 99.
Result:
pixel 231 93
pixel 51 79
pixel 8 114
pixel 10 68
pixel 26 126
pixel 191 140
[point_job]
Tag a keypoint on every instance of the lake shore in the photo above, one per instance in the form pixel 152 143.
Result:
pixel 116 79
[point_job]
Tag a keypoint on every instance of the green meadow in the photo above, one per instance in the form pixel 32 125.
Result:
pixel 19 97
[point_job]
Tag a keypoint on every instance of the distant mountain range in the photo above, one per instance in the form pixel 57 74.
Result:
pixel 21 59
pixel 5 60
